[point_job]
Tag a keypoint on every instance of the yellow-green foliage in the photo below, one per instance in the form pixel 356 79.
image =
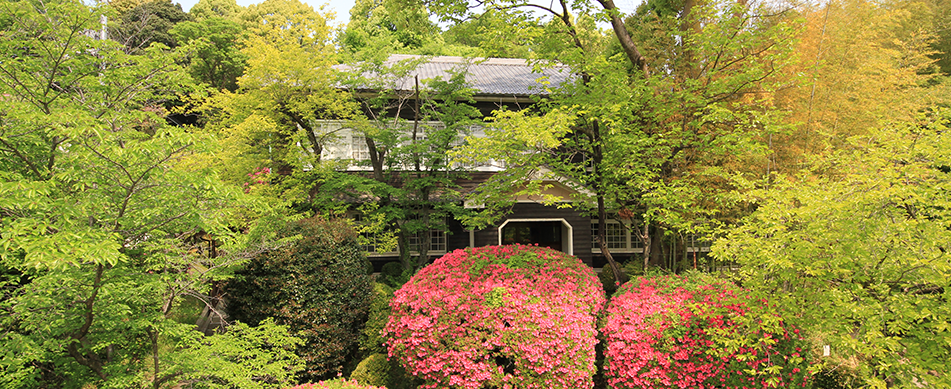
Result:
pixel 376 370
pixel 372 371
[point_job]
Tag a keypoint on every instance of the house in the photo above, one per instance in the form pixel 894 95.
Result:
pixel 497 84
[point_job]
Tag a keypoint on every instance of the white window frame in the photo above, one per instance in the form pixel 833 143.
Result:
pixel 632 243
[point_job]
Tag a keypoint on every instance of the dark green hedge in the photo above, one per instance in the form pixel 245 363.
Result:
pixel 318 286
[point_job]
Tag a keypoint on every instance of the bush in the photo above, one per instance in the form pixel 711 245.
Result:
pixel 608 280
pixel 377 370
pixel 371 339
pixel 317 286
pixel 336 384
pixel 393 274
pixel 498 316
pixel 374 370
pixel 677 332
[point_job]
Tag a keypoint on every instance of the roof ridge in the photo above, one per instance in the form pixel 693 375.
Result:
pixel 451 59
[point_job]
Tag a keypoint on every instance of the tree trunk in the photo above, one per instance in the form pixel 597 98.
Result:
pixel 79 337
pixel 624 37
pixel 597 158
pixel 424 244
pixel 644 234
pixel 619 276
pixel 376 158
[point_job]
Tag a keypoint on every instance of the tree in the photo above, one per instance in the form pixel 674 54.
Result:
pixel 287 85
pixel 204 9
pixel 497 34
pixel 98 215
pixel 854 79
pixel 394 26
pixel 409 26
pixel 147 23
pixel 855 249
pixel 213 49
pixel 410 175
pixel 655 144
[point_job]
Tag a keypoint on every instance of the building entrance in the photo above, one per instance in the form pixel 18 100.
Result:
pixel 543 233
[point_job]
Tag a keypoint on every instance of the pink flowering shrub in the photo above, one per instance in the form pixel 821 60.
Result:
pixel 260 176
pixel 498 316
pixel 674 332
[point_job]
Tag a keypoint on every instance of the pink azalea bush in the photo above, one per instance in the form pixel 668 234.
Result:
pixel 498 316
pixel 675 332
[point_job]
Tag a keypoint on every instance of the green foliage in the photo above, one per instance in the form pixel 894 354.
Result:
pixel 288 83
pixel 243 357
pixel 394 26
pixel 394 275
pixel 376 370
pixel 832 379
pixel 663 144
pixel 317 286
pixel 212 48
pixel 518 260
pixel 371 340
pixel 403 23
pixel 410 173
pixel 205 9
pixel 630 268
pixel 495 298
pixel 149 22
pixel 497 34
pixel 338 383
pixel 856 248
pixel 99 216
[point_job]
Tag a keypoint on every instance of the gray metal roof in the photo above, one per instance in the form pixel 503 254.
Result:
pixel 488 76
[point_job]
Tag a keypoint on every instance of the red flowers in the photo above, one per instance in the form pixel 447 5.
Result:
pixel 504 316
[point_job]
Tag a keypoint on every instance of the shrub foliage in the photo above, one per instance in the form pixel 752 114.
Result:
pixel 317 286
pixel 676 332
pixel 338 383
pixel 371 338
pixel 498 316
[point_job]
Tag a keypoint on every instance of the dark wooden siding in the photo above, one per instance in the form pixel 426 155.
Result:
pixel 580 227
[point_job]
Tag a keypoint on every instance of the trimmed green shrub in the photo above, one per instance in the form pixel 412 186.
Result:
pixel 317 286
pixel 392 269
pixel 498 316
pixel 377 370
pixel 371 339
pixel 374 370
